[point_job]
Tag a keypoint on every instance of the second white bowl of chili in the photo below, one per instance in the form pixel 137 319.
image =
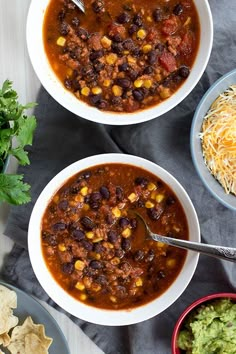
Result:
pixel 119 64
pixel 87 246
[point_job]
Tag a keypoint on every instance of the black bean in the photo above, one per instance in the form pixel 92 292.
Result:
pixel 112 236
pixel 109 219
pixel 104 192
pixel 95 197
pixel 136 52
pixel 116 101
pixel 133 223
pixel 88 73
pixel 160 274
pixel 82 33
pixel 117 38
pixel 76 85
pixel 94 205
pixel 141 181
pixel 67 268
pixel 59 226
pixel 154 213
pixel 117 48
pixel 75 21
pixel 157 15
pixel 123 222
pixel 87 223
pixel 119 253
pixel 98 247
pixel 101 279
pixel 89 272
pixel 150 256
pixel 98 66
pixel 160 47
pixel 123 82
pixel 96 54
pixel 52 209
pixel 132 29
pixel 148 70
pixel 68 83
pixel 119 194
pixel 87 245
pixel 96 264
pixel 152 57
pixel 95 99
pixel 98 6
pixel 126 244
pixel 123 67
pixel 50 238
pixel 124 17
pixel 102 104
pixel 137 20
pixel 78 235
pixel 138 256
pixel 138 95
pixel 120 291
pixel 178 9
pixel 64 28
pixel 61 15
pixel 184 71
pixel 170 200
pixel 140 203
pixel 133 74
pixel 128 44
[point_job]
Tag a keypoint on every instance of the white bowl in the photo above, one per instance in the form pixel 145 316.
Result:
pixel 55 88
pixel 214 187
pixel 86 312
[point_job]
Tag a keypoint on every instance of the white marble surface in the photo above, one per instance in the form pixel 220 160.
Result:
pixel 15 65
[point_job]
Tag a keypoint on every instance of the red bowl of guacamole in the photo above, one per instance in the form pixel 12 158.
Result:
pixel 190 315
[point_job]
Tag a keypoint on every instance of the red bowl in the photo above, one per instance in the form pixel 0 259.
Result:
pixel 179 323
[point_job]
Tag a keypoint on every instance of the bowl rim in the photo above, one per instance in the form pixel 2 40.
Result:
pixel 188 309
pixel 52 84
pixel 93 314
pixel 196 117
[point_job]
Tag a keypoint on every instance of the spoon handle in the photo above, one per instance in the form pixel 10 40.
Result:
pixel 225 253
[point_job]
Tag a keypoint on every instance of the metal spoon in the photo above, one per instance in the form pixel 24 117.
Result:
pixel 226 253
pixel 80 4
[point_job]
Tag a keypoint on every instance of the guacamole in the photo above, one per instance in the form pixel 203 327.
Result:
pixel 211 329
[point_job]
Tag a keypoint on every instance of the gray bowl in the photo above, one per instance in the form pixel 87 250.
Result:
pixel 214 187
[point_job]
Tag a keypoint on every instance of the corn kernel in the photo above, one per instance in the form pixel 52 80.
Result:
pixel 115 261
pixel 147 83
pixel 106 82
pixel 61 41
pixel 80 286
pixel 87 282
pixel 187 22
pixel 171 263
pixel 149 19
pixel 147 48
pixel 138 83
pixel 79 198
pixel 79 265
pixel 165 93
pixel 117 90
pixel 108 245
pixel 56 198
pixel 96 90
pixel 116 212
pixel 139 282
pixel 83 297
pixel 132 197
pixel 105 42
pixel 126 233
pixel 97 239
pixel 158 77
pixel 113 299
pixel 89 234
pixel 131 60
pixel 62 247
pixel 159 198
pixel 126 52
pixel 96 287
pixel 160 245
pixel 86 207
pixel 85 91
pixel 151 186
pixel 176 228
pixel 111 58
pixel 149 204
pixel 153 195
pixel 141 34
pixel 97 256
pixel 84 191
pixel 69 72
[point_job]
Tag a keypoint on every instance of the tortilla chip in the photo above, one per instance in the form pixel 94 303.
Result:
pixel 8 301
pixel 29 338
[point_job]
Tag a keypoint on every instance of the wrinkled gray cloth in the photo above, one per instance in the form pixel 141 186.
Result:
pixel 63 138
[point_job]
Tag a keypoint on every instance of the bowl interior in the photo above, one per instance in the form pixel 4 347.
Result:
pixel 193 306
pixel 229 200
pixel 101 316
pixel 70 102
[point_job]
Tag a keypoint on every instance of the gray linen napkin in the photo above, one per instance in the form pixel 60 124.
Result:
pixel 63 138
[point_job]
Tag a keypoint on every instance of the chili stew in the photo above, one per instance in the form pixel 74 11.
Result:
pixel 122 56
pixel 94 244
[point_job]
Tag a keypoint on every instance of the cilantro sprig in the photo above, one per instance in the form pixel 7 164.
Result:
pixel 16 132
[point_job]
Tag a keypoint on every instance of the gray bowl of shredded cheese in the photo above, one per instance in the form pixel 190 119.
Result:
pixel 213 139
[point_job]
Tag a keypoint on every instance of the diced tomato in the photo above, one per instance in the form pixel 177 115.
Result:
pixel 167 60
pixel 116 29
pixel 170 25
pixel 186 45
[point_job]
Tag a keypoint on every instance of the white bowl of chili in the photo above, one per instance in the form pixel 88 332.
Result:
pixel 87 248
pixel 123 72
pixel 214 125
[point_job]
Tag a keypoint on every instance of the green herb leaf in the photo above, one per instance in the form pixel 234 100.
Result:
pixel 13 190
pixel 21 155
pixel 26 131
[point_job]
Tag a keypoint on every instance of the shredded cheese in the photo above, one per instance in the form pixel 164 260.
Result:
pixel 218 137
